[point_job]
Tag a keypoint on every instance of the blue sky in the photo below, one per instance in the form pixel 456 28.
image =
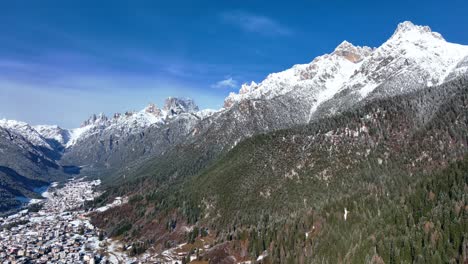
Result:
pixel 61 61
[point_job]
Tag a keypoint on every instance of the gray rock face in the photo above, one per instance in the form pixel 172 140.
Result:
pixel 177 106
pixel 351 52
pixel 100 120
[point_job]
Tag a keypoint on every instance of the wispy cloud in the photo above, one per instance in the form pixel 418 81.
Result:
pixel 229 82
pixel 256 23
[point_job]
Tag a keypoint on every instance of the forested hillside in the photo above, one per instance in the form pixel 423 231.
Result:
pixel 381 164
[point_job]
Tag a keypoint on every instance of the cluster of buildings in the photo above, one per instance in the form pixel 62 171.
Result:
pixel 58 233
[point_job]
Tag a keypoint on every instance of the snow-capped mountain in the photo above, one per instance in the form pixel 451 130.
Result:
pixel 128 136
pixel 129 122
pixel 53 133
pixel 414 57
pixel 132 122
pixel 416 53
pixel 25 130
pixel 325 74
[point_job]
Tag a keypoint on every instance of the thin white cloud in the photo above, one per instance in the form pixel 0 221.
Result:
pixel 255 23
pixel 226 83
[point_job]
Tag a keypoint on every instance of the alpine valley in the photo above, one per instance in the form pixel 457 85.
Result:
pixel 359 156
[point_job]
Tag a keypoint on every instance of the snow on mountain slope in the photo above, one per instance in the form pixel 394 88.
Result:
pixel 460 69
pixel 128 122
pixel 134 122
pixel 411 49
pixel 324 75
pixel 414 57
pixel 348 60
pixel 53 132
pixel 26 131
pixel 205 113
pixel 77 133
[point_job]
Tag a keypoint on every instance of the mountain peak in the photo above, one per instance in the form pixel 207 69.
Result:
pixel 345 45
pixel 406 25
pixel 153 109
pixel 25 130
pixel 351 52
pixel 53 132
pixel 410 31
pixel 95 119
pixel 175 106
pixel 245 88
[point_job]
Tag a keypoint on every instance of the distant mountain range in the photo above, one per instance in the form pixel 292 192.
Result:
pixel 298 144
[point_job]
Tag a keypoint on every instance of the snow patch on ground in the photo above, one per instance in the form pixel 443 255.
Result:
pixel 117 201
pixel 262 256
